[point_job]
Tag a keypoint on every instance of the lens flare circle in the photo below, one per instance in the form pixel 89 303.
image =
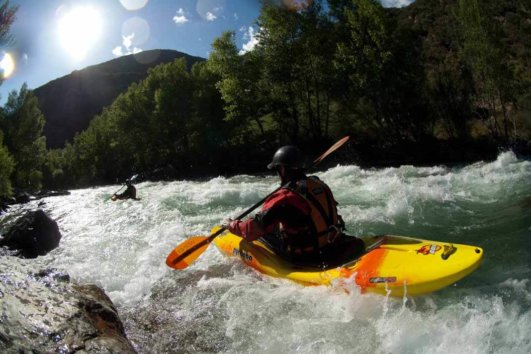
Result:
pixel 7 65
pixel 137 30
pixel 79 30
pixel 133 5
pixel 210 9
pixel 297 5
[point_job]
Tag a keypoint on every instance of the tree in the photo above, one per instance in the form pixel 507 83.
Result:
pixel 173 117
pixel 362 57
pixel 7 16
pixel 297 48
pixel 24 123
pixel 6 168
pixel 483 50
pixel 240 87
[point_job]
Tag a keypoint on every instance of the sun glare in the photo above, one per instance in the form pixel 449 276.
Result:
pixel 79 30
pixel 7 65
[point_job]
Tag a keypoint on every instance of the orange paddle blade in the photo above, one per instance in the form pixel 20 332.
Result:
pixel 331 150
pixel 187 252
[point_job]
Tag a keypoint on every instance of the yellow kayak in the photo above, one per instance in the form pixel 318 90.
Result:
pixel 394 265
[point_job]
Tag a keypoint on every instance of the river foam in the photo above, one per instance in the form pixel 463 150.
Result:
pixel 219 305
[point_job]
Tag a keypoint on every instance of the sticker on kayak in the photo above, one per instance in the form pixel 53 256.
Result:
pixel 242 254
pixel 382 280
pixel 429 249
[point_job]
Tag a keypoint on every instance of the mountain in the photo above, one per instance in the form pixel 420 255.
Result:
pixel 69 103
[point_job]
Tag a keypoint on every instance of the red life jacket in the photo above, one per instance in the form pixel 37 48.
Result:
pixel 327 225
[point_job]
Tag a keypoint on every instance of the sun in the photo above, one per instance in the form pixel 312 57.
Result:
pixel 79 30
pixel 7 66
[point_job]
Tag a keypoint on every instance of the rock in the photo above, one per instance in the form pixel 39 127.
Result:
pixel 22 198
pixel 33 234
pixel 44 312
pixel 3 206
pixel 49 193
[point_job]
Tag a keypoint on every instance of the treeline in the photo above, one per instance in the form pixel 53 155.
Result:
pixel 434 71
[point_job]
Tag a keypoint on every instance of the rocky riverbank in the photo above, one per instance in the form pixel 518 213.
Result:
pixel 42 310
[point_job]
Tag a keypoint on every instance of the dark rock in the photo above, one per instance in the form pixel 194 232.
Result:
pixel 22 198
pixel 33 234
pixel 3 206
pixel 43 312
pixel 52 274
pixel 47 193
pixel 8 200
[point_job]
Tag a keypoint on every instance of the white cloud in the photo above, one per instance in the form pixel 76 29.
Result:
pixel 395 3
pixel 127 41
pixel 236 17
pixel 252 40
pixel 180 17
pixel 118 51
pixel 210 16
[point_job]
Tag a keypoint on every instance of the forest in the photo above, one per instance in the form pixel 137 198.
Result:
pixel 428 83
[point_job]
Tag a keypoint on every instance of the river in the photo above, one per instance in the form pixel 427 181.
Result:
pixel 219 305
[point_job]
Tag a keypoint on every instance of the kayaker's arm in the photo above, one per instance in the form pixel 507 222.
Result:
pixel 277 209
pixel 249 229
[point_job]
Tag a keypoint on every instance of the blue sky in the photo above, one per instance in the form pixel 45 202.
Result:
pixel 52 38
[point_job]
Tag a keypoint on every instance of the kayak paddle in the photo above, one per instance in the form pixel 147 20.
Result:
pixel 117 191
pixel 189 250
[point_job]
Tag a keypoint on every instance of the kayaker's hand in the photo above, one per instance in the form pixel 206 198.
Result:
pixel 232 226
pixel 225 224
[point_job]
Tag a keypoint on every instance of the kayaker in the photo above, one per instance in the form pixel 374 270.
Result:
pixel 129 193
pixel 300 221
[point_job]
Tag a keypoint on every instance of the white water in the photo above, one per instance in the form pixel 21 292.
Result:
pixel 218 305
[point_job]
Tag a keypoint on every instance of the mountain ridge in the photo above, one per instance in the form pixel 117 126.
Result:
pixel 70 102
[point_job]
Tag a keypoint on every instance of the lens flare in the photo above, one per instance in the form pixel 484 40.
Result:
pixel 137 29
pixel 7 65
pixel 133 5
pixel 297 5
pixel 210 9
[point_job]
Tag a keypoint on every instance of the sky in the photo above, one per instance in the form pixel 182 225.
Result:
pixel 52 38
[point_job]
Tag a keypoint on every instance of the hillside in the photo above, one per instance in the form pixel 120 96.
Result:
pixel 70 102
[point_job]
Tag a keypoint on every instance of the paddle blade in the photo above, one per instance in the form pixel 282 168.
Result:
pixel 187 252
pixel 331 150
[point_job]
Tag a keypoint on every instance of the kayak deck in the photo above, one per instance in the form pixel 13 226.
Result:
pixel 393 265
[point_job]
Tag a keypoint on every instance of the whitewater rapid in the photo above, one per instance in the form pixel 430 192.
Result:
pixel 218 305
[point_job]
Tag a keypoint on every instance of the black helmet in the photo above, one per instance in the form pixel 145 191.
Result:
pixel 289 156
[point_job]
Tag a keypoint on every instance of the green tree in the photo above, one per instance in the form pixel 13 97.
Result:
pixel 7 16
pixel 6 169
pixel 24 123
pixel 297 48
pixel 365 52
pixel 484 51
pixel 173 117
pixel 240 87
pixel 207 126
pixel 362 57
